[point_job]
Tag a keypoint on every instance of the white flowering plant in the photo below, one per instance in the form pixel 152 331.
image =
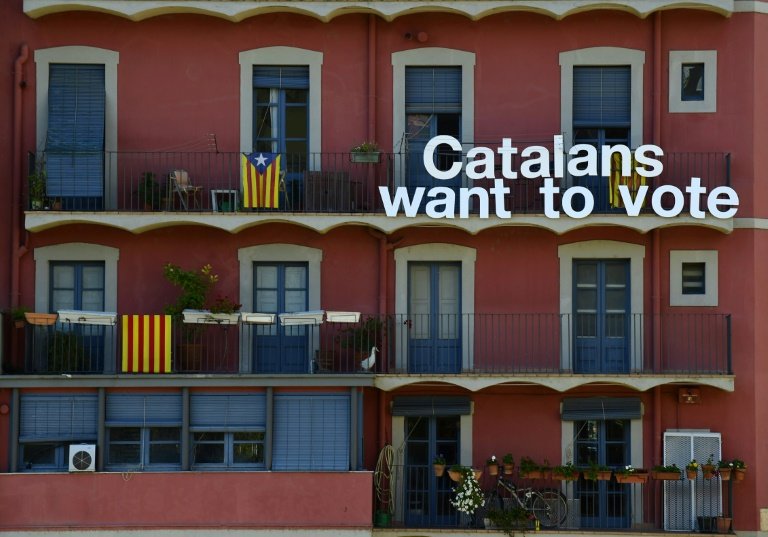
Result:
pixel 468 494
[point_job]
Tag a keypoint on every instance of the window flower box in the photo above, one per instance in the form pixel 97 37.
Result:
pixel 41 319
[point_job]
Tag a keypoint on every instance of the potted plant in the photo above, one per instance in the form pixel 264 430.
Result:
pixel 36 182
pixel 493 465
pixel 566 472
pixel 597 472
pixel 456 472
pixel 365 152
pixel 739 469
pixel 725 469
pixel 668 472
pixel 509 463
pixel 361 338
pixel 469 496
pixel 529 468
pixel 630 474
pixel 708 468
pixel 508 520
pixel 723 524
pixel 692 469
pixel 148 192
pixel 438 464
pixel 17 315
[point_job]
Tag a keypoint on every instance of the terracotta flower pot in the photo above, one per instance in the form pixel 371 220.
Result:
pixel 666 476
pixel 509 468
pixel 739 474
pixel 454 475
pixel 493 469
pixel 709 471
pixel 439 469
pixel 635 477
pixel 691 474
pixel 725 473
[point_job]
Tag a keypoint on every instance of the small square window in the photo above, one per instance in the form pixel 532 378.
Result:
pixel 692 82
pixel 693 278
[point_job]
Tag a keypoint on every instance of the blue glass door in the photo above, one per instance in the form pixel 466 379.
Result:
pixel 427 497
pixel 434 318
pixel 280 288
pixel 601 316
pixel 603 504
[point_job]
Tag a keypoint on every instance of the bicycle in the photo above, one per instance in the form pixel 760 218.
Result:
pixel 547 506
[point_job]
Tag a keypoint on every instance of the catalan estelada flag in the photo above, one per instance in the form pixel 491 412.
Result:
pixel 633 181
pixel 261 180
pixel 146 344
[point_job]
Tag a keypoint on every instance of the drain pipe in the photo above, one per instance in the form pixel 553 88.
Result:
pixel 656 241
pixel 17 249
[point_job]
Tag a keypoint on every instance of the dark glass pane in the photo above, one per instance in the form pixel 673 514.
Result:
pixel 614 455
pixel 261 95
pixel 694 278
pixel 616 136
pixel 253 437
pixel 124 434
pixel 124 454
pixel 164 454
pixel 586 325
pixel 160 434
pixel 209 454
pixel 296 96
pixel 447 428
pixel 585 136
pixel 248 453
pixel 265 146
pixel 586 454
pixel 615 430
pixel 692 84
pixel 418 453
pixel 586 430
pixel 39 454
pixel 417 428
pixel 586 274
pixel 296 124
pixel 209 437
pixel 264 122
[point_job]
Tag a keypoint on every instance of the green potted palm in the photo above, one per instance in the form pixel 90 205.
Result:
pixel 148 192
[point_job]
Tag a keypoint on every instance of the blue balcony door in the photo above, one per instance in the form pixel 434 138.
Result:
pixel 77 286
pixel 280 288
pixel 604 504
pixel 601 116
pixel 601 316
pixel 75 139
pixel 433 107
pixel 281 122
pixel 434 318
pixel 427 497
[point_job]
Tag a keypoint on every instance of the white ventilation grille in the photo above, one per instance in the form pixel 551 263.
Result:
pixel 82 458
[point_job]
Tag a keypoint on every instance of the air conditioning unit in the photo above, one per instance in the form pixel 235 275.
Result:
pixel 82 458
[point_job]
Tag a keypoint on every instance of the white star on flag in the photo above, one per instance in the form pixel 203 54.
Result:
pixel 260 160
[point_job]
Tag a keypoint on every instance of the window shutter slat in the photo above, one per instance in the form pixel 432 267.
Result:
pixel 58 418
pixel 311 432
pixel 139 410
pixel 598 408
pixel 432 89
pixel 602 96
pixel 286 77
pixel 227 413
pixel 431 406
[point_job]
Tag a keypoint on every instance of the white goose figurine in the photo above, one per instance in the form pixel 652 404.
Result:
pixel 368 363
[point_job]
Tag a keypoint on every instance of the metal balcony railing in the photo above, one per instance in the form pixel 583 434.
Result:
pixel 481 343
pixel 138 182
pixel 417 498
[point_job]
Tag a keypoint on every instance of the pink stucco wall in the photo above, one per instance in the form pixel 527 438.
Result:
pixel 186 499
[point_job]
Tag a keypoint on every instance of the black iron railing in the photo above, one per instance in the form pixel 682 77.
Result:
pixel 138 182
pixel 492 343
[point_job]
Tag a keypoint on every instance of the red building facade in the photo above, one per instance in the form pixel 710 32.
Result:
pixel 604 340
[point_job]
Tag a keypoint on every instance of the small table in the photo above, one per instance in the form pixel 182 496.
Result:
pixel 225 201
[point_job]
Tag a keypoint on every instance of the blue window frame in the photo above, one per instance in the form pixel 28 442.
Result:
pixel 601 116
pixel 601 320
pixel 432 107
pixel 311 432
pixel 48 424
pixel 75 285
pixel 228 431
pixel 75 139
pixel 143 432
pixel 281 119
pixel 435 319
pixel 428 497
pixel 604 504
pixel 281 288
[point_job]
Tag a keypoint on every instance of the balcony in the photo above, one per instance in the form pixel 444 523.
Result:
pixel 135 190
pixel 419 499
pixel 472 350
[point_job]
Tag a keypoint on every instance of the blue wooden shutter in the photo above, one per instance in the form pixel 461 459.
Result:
pixel 291 77
pixel 602 96
pixel 57 418
pixel 311 432
pixel 433 89
pixel 601 408
pixel 227 413
pixel 140 410
pixel 75 138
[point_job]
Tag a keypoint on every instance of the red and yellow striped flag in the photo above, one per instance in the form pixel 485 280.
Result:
pixel 261 180
pixel 146 344
pixel 633 181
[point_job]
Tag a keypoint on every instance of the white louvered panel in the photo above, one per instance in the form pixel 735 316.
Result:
pixel 686 500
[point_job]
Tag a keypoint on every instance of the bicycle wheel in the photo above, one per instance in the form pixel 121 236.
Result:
pixel 549 508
